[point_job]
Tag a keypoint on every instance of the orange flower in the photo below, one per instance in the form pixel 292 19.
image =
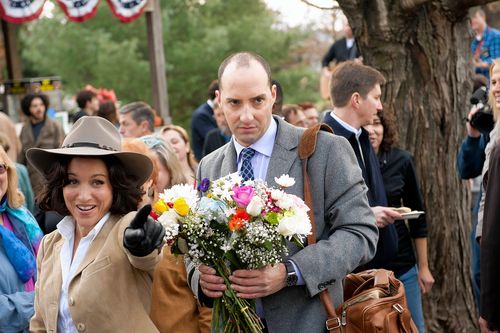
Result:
pixel 239 220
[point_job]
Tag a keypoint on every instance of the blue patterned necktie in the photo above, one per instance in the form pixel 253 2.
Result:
pixel 246 170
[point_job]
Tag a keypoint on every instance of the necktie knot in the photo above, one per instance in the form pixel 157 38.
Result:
pixel 246 170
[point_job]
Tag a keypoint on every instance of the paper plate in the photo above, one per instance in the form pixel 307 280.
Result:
pixel 412 215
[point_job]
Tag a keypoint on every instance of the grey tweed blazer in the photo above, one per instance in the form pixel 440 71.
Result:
pixel 345 225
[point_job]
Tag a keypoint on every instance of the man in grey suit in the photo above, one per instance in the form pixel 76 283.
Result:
pixel 347 236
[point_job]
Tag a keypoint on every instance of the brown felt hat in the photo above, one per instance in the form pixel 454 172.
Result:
pixel 93 136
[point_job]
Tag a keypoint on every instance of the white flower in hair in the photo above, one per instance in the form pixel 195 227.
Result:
pixel 284 181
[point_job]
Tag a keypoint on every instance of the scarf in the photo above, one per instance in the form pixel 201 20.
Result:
pixel 21 244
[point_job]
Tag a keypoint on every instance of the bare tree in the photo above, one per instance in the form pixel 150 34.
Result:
pixel 423 49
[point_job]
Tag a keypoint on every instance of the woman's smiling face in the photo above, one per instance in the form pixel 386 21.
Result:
pixel 88 194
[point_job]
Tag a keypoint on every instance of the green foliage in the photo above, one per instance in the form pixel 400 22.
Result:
pixel 88 53
pixel 197 37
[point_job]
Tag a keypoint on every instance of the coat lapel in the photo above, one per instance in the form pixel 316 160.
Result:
pixel 229 160
pixel 281 159
pixel 97 244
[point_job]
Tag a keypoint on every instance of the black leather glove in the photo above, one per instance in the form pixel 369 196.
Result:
pixel 144 235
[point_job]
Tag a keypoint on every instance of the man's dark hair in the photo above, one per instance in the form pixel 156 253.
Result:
pixel 351 77
pixel 214 85
pixel 83 97
pixel 278 103
pixel 140 112
pixel 26 102
pixel 243 59
pixel 126 193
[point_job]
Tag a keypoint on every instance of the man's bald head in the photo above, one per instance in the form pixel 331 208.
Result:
pixel 243 59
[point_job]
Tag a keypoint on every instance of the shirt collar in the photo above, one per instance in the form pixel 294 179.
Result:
pixel 345 125
pixel 264 145
pixel 67 227
pixel 210 103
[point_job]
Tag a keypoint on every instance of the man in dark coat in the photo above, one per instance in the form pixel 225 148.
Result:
pixel 203 121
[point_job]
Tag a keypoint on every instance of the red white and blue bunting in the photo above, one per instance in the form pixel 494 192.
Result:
pixel 20 11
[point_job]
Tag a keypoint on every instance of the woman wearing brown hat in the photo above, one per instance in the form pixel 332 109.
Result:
pixel 95 271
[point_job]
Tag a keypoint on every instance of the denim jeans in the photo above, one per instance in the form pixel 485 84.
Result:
pixel 413 297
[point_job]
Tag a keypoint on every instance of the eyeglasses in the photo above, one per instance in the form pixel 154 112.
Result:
pixel 3 168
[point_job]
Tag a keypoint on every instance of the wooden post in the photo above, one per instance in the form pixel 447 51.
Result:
pixel 13 59
pixel 157 60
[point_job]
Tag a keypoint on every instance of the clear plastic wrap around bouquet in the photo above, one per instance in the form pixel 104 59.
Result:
pixel 229 224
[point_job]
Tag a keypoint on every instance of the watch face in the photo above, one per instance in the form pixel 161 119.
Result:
pixel 291 280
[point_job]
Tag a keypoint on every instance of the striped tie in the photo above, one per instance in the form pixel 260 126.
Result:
pixel 246 170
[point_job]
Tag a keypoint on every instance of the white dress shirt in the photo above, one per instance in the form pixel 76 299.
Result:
pixel 263 151
pixel 68 267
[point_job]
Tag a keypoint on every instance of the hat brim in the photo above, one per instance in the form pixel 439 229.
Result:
pixel 137 165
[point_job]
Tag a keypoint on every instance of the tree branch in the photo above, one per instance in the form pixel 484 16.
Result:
pixel 460 5
pixel 411 4
pixel 309 3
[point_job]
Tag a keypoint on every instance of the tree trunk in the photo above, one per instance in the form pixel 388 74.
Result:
pixel 423 51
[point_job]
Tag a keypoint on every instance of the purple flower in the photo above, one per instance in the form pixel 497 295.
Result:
pixel 204 185
pixel 243 195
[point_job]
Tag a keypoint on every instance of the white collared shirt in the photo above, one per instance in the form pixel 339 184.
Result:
pixel 357 132
pixel 349 42
pixel 263 150
pixel 69 267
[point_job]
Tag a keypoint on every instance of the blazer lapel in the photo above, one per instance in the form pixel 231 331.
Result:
pixel 97 244
pixel 229 160
pixel 281 159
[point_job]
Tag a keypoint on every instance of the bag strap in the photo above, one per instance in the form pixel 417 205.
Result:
pixel 307 146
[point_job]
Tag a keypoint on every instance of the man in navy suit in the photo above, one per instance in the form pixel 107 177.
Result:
pixel 203 121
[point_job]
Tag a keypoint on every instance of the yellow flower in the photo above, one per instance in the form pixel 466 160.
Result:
pixel 181 207
pixel 160 207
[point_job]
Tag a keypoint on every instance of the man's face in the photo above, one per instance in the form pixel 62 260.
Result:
pixel 477 23
pixel 297 119
pixel 129 128
pixel 93 106
pixel 369 106
pixel 312 116
pixel 246 100
pixel 220 119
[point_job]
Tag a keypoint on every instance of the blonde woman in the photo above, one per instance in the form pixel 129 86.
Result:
pixel 178 138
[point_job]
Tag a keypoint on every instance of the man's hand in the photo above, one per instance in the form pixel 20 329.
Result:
pixel 472 131
pixel 211 284
pixel 425 279
pixel 483 325
pixel 256 283
pixel 385 216
pixel 144 235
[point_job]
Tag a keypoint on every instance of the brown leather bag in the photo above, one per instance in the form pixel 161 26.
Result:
pixel 374 300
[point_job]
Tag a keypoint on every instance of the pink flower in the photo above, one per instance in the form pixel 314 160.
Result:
pixel 243 195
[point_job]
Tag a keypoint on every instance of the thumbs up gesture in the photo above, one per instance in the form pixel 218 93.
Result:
pixel 143 235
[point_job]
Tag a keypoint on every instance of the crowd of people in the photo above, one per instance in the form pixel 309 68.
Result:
pixel 80 252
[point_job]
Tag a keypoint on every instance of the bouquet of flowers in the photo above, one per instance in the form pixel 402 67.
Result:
pixel 229 224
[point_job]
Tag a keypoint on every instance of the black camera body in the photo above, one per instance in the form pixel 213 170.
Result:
pixel 482 120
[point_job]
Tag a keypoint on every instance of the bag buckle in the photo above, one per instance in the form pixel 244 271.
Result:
pixel 332 324
pixel 398 308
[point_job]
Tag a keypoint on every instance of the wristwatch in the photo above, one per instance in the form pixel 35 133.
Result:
pixel 291 274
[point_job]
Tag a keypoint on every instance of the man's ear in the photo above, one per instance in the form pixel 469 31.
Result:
pixel 273 92
pixel 355 100
pixel 217 97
